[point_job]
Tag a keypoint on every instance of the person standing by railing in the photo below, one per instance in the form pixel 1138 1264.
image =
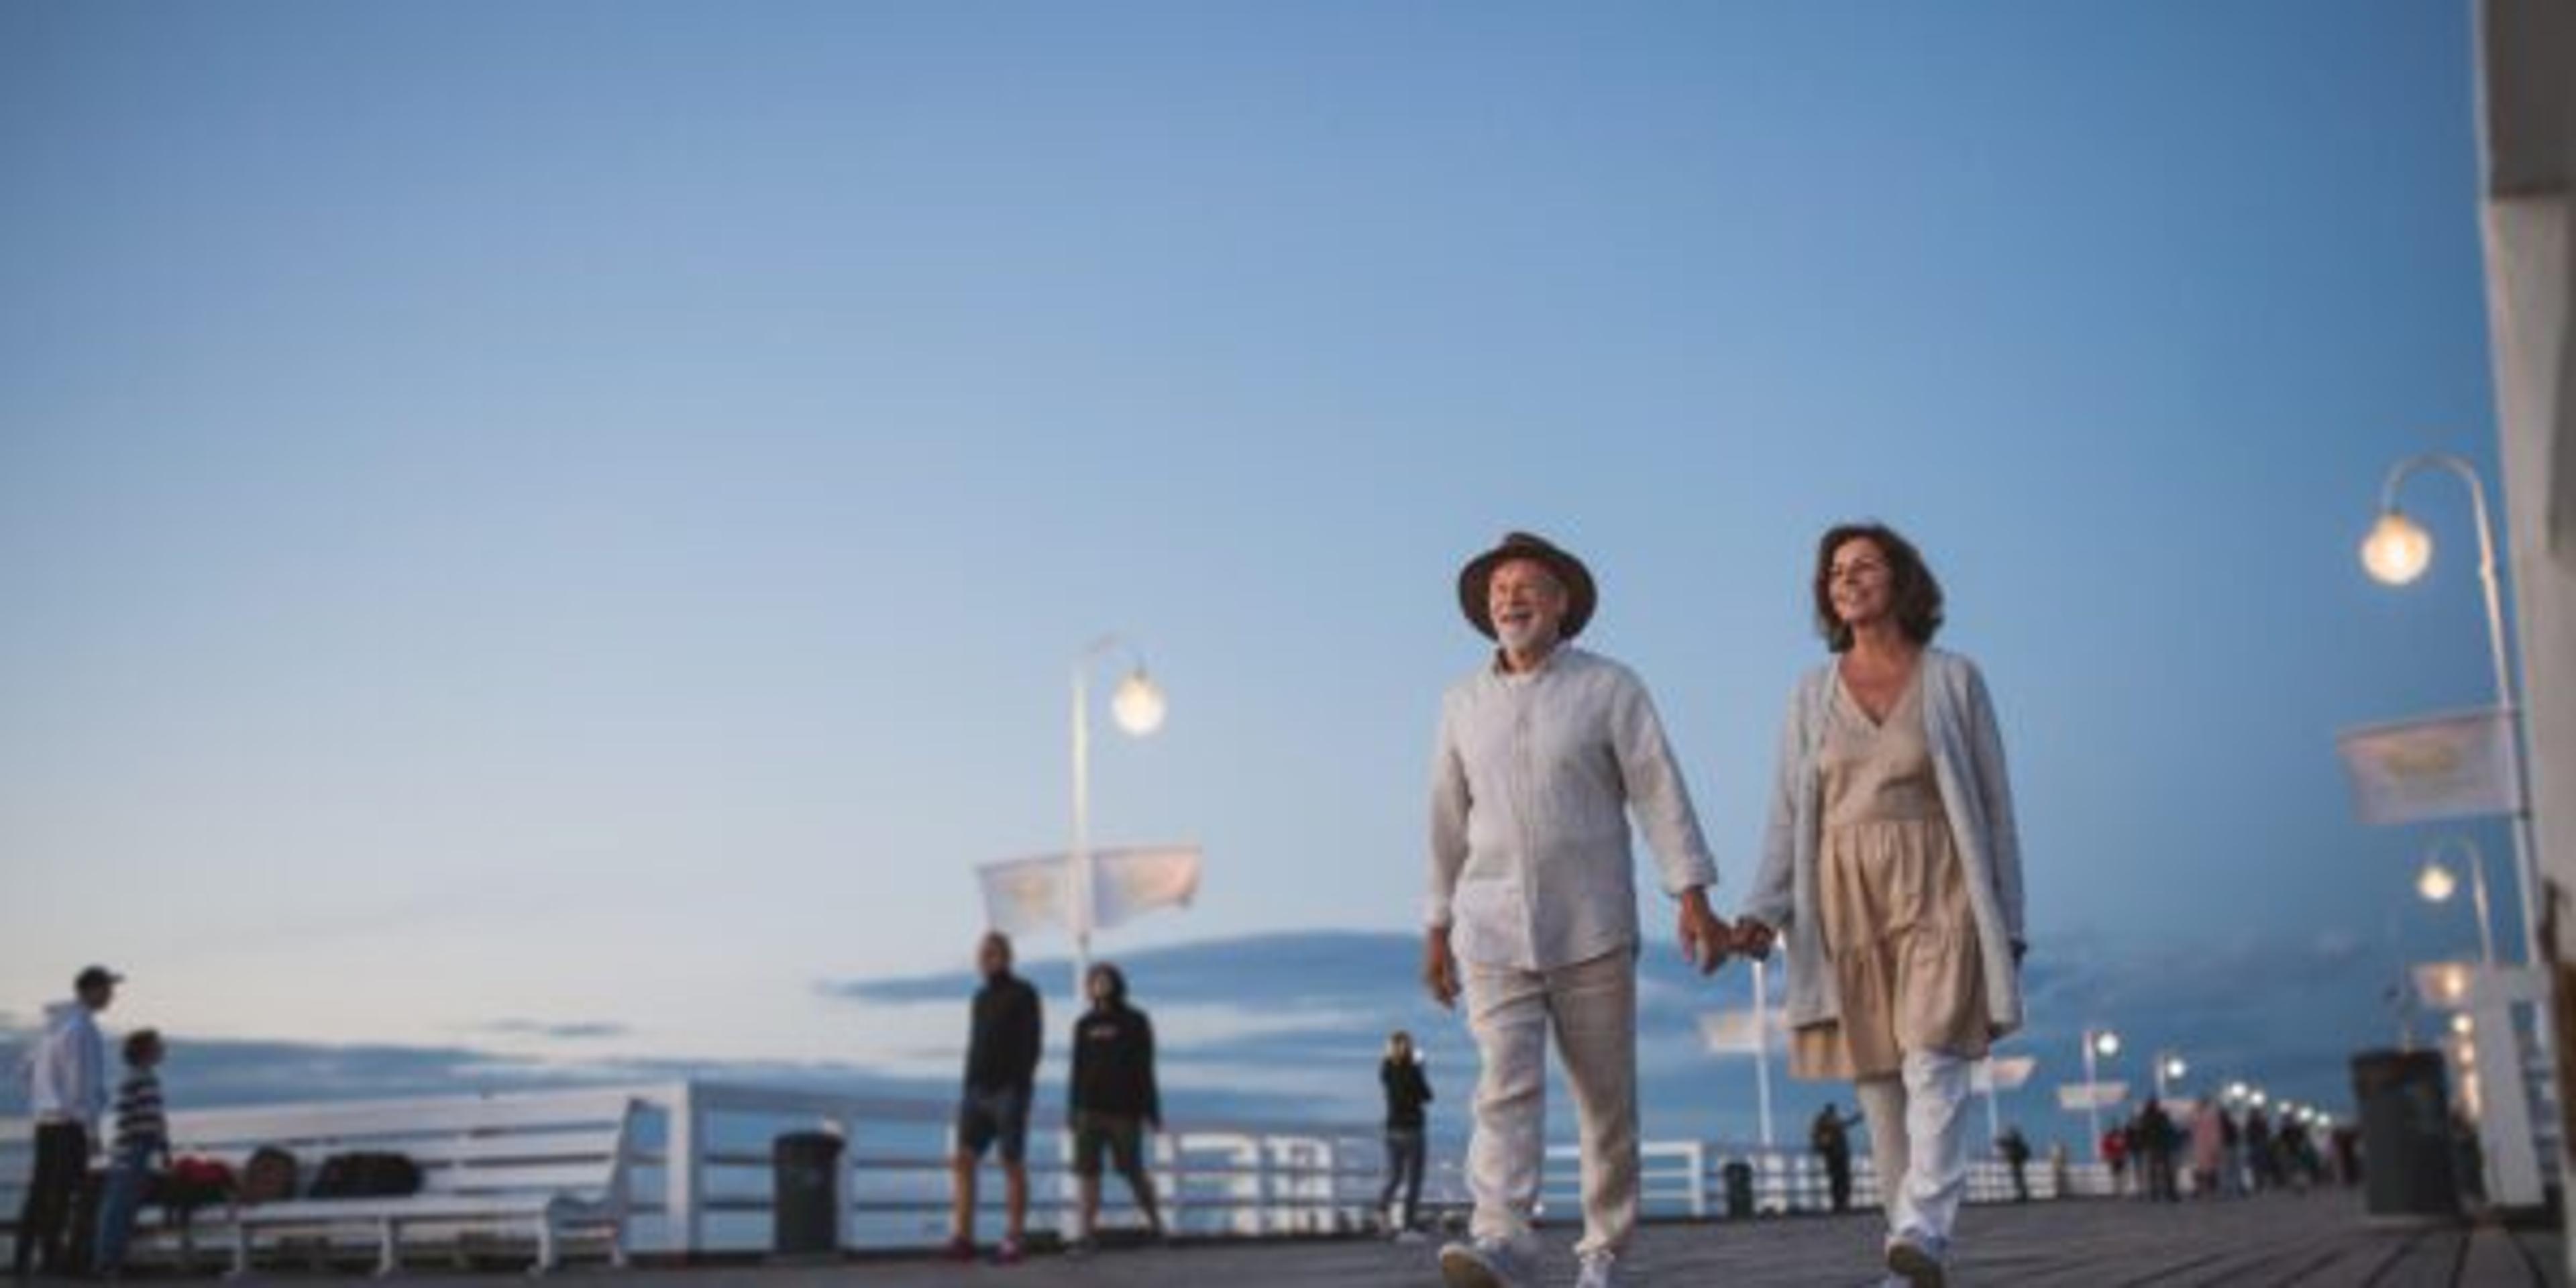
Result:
pixel 1114 1101
pixel 1893 864
pixel 2015 1149
pixel 1830 1136
pixel 1543 752
pixel 1407 1091
pixel 142 1135
pixel 1002 1050
pixel 66 1095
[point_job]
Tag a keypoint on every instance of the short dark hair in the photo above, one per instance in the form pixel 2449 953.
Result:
pixel 1915 591
pixel 140 1043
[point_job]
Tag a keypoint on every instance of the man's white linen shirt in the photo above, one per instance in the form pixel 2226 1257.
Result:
pixel 1531 785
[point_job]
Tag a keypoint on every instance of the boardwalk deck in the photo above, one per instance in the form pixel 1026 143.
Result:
pixel 2322 1241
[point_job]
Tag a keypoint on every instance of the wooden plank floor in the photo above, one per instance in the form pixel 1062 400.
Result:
pixel 2321 1241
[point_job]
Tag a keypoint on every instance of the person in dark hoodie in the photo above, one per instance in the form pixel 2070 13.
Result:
pixel 1407 1091
pixel 1001 1073
pixel 66 1096
pixel 1114 1100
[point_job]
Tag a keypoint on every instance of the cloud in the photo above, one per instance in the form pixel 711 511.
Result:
pixel 571 1031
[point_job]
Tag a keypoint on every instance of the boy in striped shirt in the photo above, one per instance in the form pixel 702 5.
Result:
pixel 142 1135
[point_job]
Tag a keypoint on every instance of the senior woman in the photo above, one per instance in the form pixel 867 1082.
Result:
pixel 1892 867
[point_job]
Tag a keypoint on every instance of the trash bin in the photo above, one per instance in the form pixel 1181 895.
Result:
pixel 805 1195
pixel 1739 1188
pixel 2406 1134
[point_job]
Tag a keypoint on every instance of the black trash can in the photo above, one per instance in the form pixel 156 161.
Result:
pixel 1739 1189
pixel 805 1195
pixel 2406 1134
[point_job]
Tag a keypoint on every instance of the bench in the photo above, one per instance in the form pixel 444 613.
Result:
pixel 551 1166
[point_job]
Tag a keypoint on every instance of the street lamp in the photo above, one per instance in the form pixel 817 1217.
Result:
pixel 2170 1069
pixel 2396 552
pixel 2103 1044
pixel 1138 708
pixel 2437 884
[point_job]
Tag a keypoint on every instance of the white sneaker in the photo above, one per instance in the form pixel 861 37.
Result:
pixel 1486 1263
pixel 1409 1236
pixel 1601 1270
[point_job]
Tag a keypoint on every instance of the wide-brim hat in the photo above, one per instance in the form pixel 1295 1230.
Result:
pixel 1478 576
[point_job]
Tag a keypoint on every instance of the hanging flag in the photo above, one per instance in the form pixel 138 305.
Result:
pixel 1127 882
pixel 2001 1073
pixel 2459 765
pixel 2078 1096
pixel 1025 895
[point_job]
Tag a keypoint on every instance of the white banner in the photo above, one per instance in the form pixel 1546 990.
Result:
pixel 1127 882
pixel 2001 1073
pixel 1025 895
pixel 2448 766
pixel 2076 1097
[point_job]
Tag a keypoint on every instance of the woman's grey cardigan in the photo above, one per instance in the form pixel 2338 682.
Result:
pixel 1968 759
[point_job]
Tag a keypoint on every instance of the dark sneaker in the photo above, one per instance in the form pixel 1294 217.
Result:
pixel 1915 1264
pixel 960 1248
pixel 1009 1253
pixel 1485 1263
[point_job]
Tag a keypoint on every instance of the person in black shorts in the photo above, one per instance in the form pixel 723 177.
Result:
pixel 1114 1098
pixel 1001 1071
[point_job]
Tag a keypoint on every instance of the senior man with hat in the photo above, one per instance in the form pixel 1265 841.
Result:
pixel 1544 751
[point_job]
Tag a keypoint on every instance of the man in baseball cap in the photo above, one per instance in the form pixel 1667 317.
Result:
pixel 66 1096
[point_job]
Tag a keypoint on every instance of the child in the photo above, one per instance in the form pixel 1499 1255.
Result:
pixel 142 1135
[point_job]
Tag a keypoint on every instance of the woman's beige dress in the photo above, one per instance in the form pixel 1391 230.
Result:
pixel 1899 933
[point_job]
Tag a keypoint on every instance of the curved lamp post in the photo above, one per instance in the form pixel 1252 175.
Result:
pixel 2396 552
pixel 1138 708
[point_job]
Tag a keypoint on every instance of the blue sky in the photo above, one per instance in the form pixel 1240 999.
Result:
pixel 581 514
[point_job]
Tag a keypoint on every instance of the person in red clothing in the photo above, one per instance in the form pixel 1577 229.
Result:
pixel 2115 1151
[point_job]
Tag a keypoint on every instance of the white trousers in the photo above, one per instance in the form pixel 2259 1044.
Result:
pixel 1591 1007
pixel 1918 1132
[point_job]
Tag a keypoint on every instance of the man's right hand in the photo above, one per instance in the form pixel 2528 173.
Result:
pixel 1753 939
pixel 1439 967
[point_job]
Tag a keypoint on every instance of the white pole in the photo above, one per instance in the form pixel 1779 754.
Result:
pixel 1762 1048
pixel 2523 846
pixel 2478 892
pixel 2092 1098
pixel 1994 1119
pixel 1078 861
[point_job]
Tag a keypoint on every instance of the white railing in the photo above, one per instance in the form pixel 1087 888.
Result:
pixel 1691 1179
pixel 699 1168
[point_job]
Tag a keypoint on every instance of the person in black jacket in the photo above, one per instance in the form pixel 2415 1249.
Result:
pixel 1407 1091
pixel 1114 1099
pixel 1001 1071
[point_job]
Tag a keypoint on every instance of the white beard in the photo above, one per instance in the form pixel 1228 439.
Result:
pixel 1526 638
